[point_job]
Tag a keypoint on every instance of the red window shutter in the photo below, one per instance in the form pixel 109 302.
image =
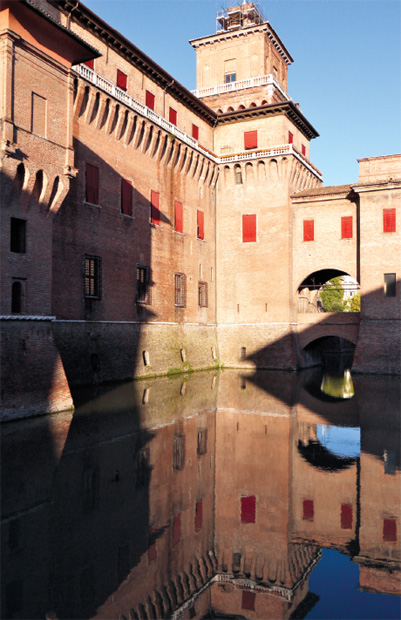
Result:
pixel 290 138
pixel 126 197
pixel 248 600
pixel 308 510
pixel 248 509
pixel 173 116
pixel 250 139
pixel 177 528
pixel 346 517
pixel 150 100
pixel 121 80
pixel 389 224
pixel 152 550
pixel 200 223
pixel 92 184
pixel 389 530
pixel 90 63
pixel 309 230
pixel 303 149
pixel 178 217
pixel 155 212
pixel 346 227
pixel 195 132
pixel 198 516
pixel 248 228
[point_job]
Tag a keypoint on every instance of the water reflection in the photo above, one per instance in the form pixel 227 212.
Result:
pixel 338 385
pixel 204 496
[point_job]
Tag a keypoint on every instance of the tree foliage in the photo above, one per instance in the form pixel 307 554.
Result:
pixel 332 296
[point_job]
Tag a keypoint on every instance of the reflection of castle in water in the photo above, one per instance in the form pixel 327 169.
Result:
pixel 221 500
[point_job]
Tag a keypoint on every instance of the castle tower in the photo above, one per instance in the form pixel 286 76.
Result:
pixel 262 141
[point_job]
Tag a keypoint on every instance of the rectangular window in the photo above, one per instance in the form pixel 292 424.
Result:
pixel 303 149
pixel 346 516
pixel 90 63
pixel 346 227
pixel 172 117
pixel 248 600
pixel 390 530
pixel 154 208
pixel 121 80
pixel 179 452
pixel 142 285
pixel 309 230
pixel 248 509
pixel 177 528
pixel 202 441
pixel 150 100
pixel 200 225
pixel 307 510
pixel 202 295
pixel 250 140
pixel 195 131
pixel 248 228
pixel 230 77
pixel 92 277
pixel 390 285
pixel 92 184
pixel 178 217
pixel 126 197
pixel 180 290
pixel 290 137
pixel 198 516
pixel 38 116
pixel 17 235
pixel 389 224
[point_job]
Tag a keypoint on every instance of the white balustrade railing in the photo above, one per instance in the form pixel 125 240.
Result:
pixel 122 96
pixel 261 80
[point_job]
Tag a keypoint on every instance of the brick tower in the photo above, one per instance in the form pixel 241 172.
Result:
pixel 262 139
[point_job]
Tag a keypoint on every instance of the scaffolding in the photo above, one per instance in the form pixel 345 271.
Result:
pixel 239 16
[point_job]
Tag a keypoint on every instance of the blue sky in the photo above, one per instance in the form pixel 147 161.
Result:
pixel 346 73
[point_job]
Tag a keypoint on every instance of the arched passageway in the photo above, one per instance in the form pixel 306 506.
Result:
pixel 334 352
pixel 328 290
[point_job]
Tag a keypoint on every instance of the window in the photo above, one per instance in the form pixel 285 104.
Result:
pixel 38 117
pixel 180 290
pixel 389 530
pixel 142 285
pixel 248 228
pixel 389 285
pixel 178 217
pixel 198 516
pixel 346 516
pixel 248 509
pixel 172 117
pixel 307 510
pixel 92 184
pixel 142 468
pixel 230 77
pixel 195 132
pixel 202 295
pixel 200 225
pixel 92 277
pixel 17 235
pixel 17 296
pixel 238 175
pixel 202 441
pixel 346 227
pixel 179 452
pixel 150 100
pixel 290 137
pixel 177 528
pixel 90 63
pixel 126 197
pixel 250 139
pixel 389 222
pixel 154 208
pixel 248 600
pixel 309 230
pixel 303 149
pixel 121 80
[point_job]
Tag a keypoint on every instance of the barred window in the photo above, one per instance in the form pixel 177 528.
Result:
pixel 180 290
pixel 202 295
pixel 179 452
pixel 92 277
pixel 142 285
pixel 202 441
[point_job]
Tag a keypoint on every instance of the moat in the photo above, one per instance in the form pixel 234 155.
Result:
pixel 269 495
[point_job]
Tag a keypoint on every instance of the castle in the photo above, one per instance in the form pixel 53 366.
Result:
pixel 147 229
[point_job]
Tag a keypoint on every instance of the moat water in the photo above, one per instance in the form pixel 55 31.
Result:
pixel 267 495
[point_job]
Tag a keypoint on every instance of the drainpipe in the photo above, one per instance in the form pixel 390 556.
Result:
pixel 69 16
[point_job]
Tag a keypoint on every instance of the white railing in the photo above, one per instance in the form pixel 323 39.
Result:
pixel 262 80
pixel 122 96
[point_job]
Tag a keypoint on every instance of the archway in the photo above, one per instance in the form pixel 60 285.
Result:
pixel 328 290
